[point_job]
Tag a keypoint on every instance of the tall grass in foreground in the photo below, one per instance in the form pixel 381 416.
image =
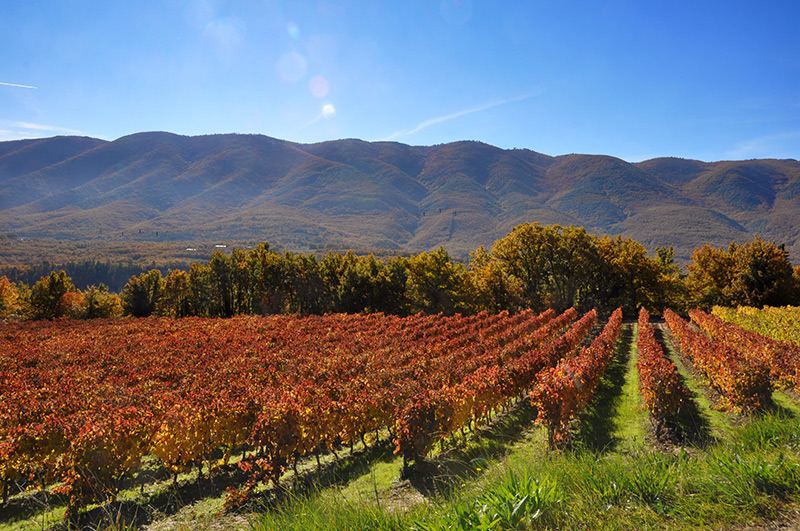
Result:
pixel 516 501
pixel 332 513
pixel 753 476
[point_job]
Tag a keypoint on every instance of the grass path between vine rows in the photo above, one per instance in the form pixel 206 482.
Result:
pixel 615 420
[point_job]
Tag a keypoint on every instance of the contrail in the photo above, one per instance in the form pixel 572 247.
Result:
pixel 16 85
pixel 459 114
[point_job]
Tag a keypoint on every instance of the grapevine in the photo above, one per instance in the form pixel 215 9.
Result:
pixel 658 378
pixel 561 392
pixel 743 382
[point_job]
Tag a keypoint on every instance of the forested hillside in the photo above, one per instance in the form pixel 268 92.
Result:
pixel 160 187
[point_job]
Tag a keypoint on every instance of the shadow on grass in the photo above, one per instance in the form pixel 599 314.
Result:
pixel 690 426
pixel 442 474
pixel 337 472
pixel 436 476
pixel 169 500
pixel 776 409
pixel 596 424
pixel 29 506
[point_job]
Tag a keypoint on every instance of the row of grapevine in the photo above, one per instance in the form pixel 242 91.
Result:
pixel 659 384
pixel 780 323
pixel 84 402
pixel 437 414
pixel 782 358
pixel 743 381
pixel 561 392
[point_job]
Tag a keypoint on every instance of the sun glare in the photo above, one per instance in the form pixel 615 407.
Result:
pixel 291 67
pixel 318 86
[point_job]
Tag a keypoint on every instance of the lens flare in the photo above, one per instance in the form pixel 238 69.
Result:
pixel 318 86
pixel 328 110
pixel 291 67
pixel 293 30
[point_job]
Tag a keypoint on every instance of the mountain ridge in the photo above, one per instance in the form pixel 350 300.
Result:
pixel 352 193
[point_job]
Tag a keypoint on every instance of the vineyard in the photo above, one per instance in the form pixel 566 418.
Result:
pixel 88 403
pixel 782 324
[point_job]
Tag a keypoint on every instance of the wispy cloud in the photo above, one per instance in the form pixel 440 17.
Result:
pixel 458 114
pixel 17 85
pixel 15 130
pixel 780 145
pixel 47 128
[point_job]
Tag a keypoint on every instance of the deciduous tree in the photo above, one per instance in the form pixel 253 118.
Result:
pixel 435 284
pixel 98 302
pixel 46 295
pixel 8 297
pixel 143 293
pixel 756 273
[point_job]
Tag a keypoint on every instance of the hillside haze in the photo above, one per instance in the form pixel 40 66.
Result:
pixel 380 195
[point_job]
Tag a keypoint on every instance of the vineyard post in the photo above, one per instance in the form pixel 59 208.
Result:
pixel 659 409
pixel 406 466
pixel 552 426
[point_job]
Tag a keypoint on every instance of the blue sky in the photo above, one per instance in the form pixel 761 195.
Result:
pixel 635 79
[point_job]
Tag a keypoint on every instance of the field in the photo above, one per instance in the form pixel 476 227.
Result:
pixel 379 422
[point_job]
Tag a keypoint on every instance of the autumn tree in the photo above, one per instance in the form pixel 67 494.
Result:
pixel 9 297
pixel 268 280
pixel 756 273
pixel 177 296
pixel 491 288
pixel 142 294
pixel 46 295
pixel 229 282
pixel 435 284
pixel 673 292
pixel 763 275
pixel 99 302
pixel 71 305
pixel 627 277
pixel 305 286
pixel 555 266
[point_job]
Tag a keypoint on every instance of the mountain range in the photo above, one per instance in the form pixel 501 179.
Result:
pixel 380 195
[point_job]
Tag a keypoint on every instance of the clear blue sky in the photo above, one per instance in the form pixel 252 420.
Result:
pixel 635 79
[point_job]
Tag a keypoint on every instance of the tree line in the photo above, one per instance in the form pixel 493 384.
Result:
pixel 535 266
pixel 86 273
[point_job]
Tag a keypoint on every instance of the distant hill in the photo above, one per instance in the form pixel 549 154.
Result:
pixel 382 195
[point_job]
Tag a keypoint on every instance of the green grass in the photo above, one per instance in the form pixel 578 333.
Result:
pixel 632 418
pixel 600 428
